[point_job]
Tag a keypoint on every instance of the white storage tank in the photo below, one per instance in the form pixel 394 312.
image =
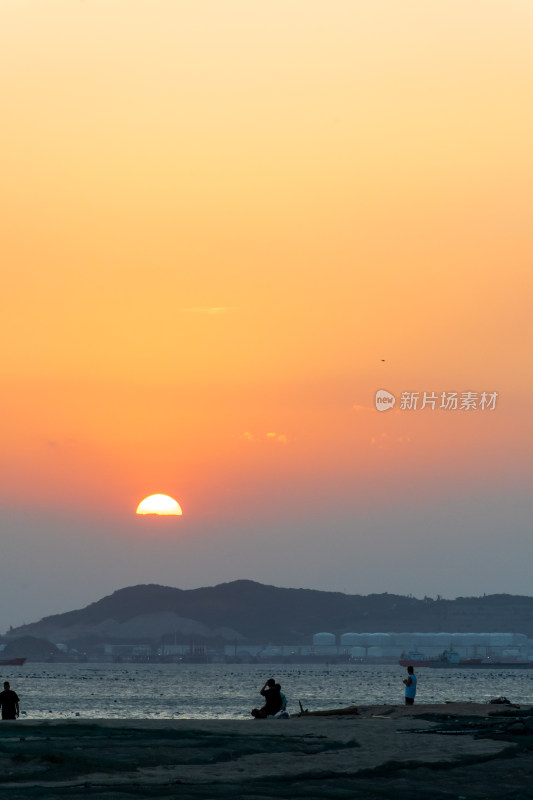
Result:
pixel 427 640
pixel 375 652
pixel 413 641
pixel 460 639
pixel 350 639
pixel 358 652
pixel 325 650
pixel 399 639
pixel 325 639
pixel 379 639
pixel 481 639
pixel 501 639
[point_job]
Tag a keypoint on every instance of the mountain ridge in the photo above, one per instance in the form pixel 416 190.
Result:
pixel 252 611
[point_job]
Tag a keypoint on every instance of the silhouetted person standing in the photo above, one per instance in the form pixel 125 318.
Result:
pixel 10 702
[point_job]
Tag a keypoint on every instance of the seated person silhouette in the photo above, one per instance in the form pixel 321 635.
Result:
pixel 273 701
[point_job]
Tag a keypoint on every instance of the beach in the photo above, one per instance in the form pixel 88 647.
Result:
pixel 466 750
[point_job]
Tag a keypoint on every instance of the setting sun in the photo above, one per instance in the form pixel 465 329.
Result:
pixel 159 504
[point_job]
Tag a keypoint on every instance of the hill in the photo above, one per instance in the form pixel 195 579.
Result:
pixel 248 611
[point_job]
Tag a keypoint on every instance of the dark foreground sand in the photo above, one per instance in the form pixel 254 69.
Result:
pixel 438 751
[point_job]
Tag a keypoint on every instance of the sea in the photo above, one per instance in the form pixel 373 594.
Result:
pixel 230 691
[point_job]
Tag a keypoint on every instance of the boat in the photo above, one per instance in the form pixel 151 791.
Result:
pixel 415 659
pixel 502 663
pixel 12 662
pixel 450 658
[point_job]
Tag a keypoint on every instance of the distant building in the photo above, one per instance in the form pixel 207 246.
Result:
pixel 128 652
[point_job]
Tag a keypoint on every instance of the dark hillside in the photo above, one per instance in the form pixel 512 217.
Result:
pixel 268 613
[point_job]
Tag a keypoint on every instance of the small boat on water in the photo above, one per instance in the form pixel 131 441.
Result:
pixel 12 662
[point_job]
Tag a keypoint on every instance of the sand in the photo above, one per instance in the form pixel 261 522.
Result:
pixel 433 751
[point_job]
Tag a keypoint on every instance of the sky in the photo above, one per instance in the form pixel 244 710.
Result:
pixel 225 226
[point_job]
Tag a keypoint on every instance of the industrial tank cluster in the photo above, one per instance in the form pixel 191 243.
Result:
pixel 383 645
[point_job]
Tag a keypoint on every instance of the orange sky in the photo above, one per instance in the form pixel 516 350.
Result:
pixel 217 219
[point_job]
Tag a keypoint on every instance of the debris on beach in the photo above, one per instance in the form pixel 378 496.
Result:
pixel 331 712
pixel 502 701
pixel 497 725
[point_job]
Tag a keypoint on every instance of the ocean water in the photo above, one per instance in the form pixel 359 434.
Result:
pixel 227 691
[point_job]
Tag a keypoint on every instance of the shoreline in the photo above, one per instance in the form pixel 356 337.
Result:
pixel 382 751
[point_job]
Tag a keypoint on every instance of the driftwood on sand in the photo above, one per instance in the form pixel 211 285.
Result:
pixel 331 712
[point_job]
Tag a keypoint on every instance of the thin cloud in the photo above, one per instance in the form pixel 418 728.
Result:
pixel 271 436
pixel 277 437
pixel 381 441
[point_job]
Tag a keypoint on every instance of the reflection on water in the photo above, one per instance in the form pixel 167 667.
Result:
pixel 170 691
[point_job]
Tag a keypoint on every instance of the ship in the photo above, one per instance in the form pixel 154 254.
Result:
pixel 414 659
pixel 450 658
pixel 12 662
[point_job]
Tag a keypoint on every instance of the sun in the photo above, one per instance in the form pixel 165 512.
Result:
pixel 159 504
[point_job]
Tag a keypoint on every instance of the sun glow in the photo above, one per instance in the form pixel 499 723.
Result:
pixel 159 504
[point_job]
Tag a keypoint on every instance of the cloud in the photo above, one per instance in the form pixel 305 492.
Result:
pixel 277 437
pixel 381 441
pixel 271 436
